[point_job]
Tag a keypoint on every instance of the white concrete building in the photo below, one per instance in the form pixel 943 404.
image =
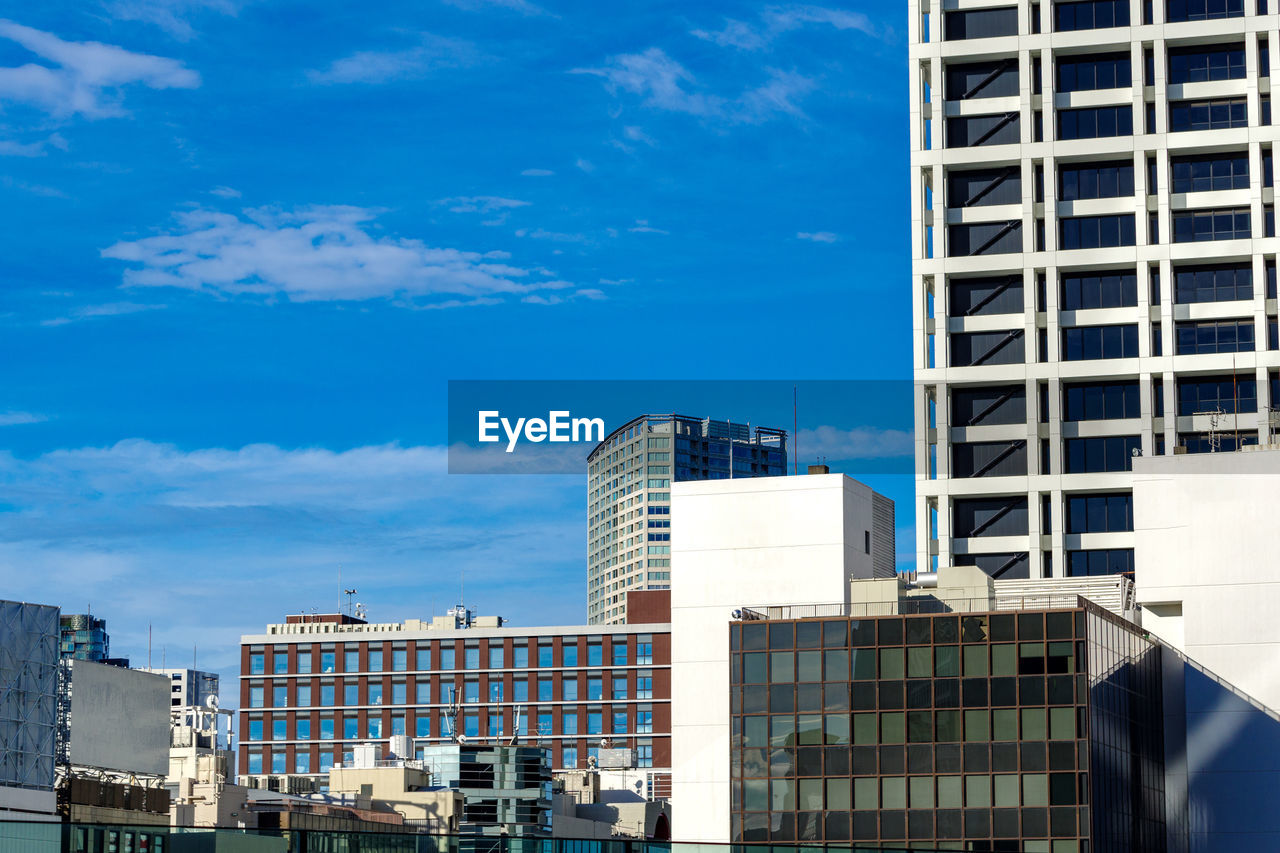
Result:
pixel 629 477
pixel 750 543
pixel 1093 262
pixel 1205 532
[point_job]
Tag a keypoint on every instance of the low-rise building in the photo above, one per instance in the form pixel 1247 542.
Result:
pixel 313 688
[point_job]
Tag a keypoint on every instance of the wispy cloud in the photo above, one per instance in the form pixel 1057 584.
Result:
pixel 662 83
pixel 109 309
pixel 776 20
pixel 835 444
pixel 482 203
pixel 114 520
pixel 818 236
pixel 85 78
pixel 658 79
pixel 432 53
pixel 39 148
pixel 642 226
pixel 554 236
pixel 19 418
pixel 225 192
pixel 318 253
pixel 169 15
pixel 537 173
pixel 524 7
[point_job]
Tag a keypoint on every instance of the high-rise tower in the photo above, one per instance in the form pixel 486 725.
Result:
pixel 1093 264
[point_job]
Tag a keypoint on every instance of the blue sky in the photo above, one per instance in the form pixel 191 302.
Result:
pixel 246 244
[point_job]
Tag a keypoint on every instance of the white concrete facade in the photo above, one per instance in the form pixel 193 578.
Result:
pixel 1037 158
pixel 747 543
pixel 1205 578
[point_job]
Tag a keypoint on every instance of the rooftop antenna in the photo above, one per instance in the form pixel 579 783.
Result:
pixel 148 645
pixel 349 593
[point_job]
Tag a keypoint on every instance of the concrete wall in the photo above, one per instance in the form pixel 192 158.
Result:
pixel 735 543
pixel 1206 536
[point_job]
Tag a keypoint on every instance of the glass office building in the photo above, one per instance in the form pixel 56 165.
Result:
pixel 1093 264
pixel 971 731
pixel 629 496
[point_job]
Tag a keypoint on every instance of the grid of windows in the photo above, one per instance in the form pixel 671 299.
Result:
pixel 1095 122
pixel 619 679
pixel 972 730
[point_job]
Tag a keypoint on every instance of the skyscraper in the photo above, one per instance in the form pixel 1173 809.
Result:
pixel 1093 265
pixel 629 499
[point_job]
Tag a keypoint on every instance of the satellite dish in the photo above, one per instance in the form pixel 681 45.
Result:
pixel 211 703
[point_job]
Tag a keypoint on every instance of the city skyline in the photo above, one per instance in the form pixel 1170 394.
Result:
pixel 217 436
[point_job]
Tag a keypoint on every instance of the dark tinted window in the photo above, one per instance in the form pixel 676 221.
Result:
pixel 1086 73
pixel 1001 404
pixel 971 131
pixel 1105 289
pixel 984 187
pixel 989 459
pixel 1203 10
pixel 973 297
pixel 1091 15
pixel 1002 516
pixel 1208 115
pixel 981 23
pixel 1216 283
pixel 1206 62
pixel 998 79
pixel 984 238
pixel 1087 343
pixel 1099 401
pixel 1100 513
pixel 1210 336
pixel 1095 122
pixel 1096 232
pixel 1103 454
pixel 1095 180
pixel 1001 347
pixel 1210 172
pixel 1111 561
pixel 1206 393
pixel 1196 226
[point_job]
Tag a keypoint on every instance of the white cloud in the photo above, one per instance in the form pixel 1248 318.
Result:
pixel 642 226
pixel 86 78
pixel 585 165
pixel 554 236
pixel 318 253
pixel 110 309
pixel 482 203
pixel 656 78
pixel 432 53
pixel 537 173
pixel 225 192
pixel 637 134
pixel 13 148
pixel 19 418
pixel 817 236
pixel 169 15
pixel 272 524
pixel 834 444
pixel 524 7
pixel 776 20
pixel 663 83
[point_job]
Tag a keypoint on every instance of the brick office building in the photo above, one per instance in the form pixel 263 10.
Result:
pixel 313 687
